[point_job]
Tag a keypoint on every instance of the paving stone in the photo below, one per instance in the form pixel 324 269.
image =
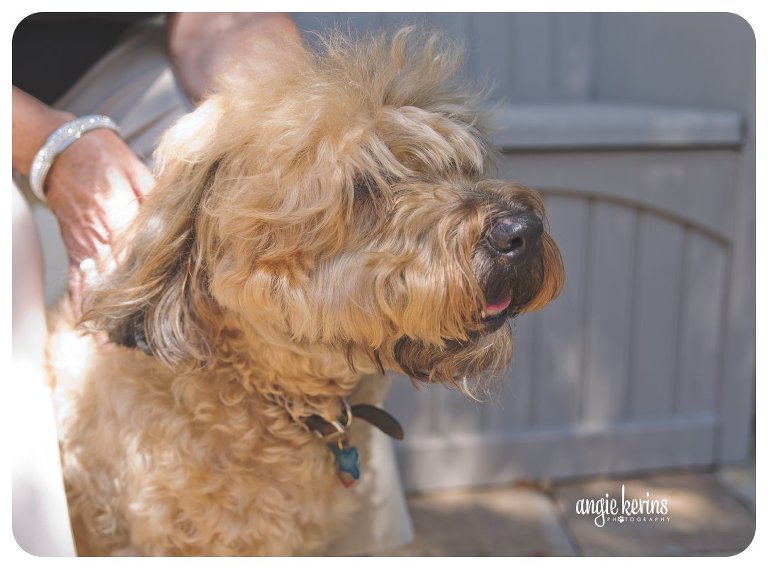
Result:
pixel 499 522
pixel 703 517
pixel 740 479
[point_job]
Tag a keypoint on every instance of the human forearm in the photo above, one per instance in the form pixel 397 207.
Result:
pixel 201 45
pixel 33 122
pixel 93 187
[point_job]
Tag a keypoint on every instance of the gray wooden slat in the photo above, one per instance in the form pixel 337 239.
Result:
pixel 591 125
pixel 356 22
pixel 700 348
pixel 489 52
pixel 461 460
pixel 560 334
pixel 572 65
pixel 656 322
pixel 395 20
pixel 736 393
pixel 311 21
pixel 458 30
pixel 690 59
pixel 412 406
pixel 455 24
pixel 363 21
pixel 511 409
pixel 608 303
pixel 457 413
pixel 532 55
pixel 693 186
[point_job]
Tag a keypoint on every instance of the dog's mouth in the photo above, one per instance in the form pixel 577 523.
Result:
pixel 495 313
pixel 508 292
pixel 494 309
pixel 508 284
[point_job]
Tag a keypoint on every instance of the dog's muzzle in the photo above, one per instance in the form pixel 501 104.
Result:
pixel 513 246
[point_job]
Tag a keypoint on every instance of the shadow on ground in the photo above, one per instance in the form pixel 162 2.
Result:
pixel 708 514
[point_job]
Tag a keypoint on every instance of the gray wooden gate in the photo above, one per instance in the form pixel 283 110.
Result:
pixel 647 359
pixel 639 131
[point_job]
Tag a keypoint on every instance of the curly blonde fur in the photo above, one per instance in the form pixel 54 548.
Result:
pixel 308 226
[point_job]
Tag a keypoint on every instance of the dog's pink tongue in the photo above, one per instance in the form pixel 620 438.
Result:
pixel 498 306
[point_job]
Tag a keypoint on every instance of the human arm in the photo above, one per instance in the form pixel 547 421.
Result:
pixel 201 44
pixel 93 188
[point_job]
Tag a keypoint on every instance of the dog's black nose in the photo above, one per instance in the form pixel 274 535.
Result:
pixel 515 235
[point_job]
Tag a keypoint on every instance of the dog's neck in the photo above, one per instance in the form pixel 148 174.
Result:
pixel 306 379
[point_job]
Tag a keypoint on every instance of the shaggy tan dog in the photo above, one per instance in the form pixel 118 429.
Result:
pixel 331 219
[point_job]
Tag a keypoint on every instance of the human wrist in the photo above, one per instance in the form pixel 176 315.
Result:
pixel 36 132
pixel 33 121
pixel 62 138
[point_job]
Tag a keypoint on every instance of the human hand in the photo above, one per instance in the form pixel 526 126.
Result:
pixel 94 189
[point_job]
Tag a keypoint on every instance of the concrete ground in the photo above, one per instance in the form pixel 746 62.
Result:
pixel 708 512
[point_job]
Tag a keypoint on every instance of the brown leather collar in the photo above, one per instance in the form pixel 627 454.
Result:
pixel 376 416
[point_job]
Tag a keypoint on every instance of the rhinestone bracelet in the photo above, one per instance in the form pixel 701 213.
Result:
pixel 58 142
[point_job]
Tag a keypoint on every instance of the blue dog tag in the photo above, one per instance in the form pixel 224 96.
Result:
pixel 347 463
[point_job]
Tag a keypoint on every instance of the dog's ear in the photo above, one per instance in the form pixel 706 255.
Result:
pixel 287 186
pixel 156 300
pixel 250 193
pixel 274 225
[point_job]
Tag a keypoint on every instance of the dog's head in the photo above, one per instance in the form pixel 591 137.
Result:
pixel 344 201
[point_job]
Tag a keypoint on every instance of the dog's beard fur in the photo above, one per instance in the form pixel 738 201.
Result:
pixel 339 207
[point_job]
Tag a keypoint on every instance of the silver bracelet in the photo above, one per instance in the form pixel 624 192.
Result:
pixel 58 142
